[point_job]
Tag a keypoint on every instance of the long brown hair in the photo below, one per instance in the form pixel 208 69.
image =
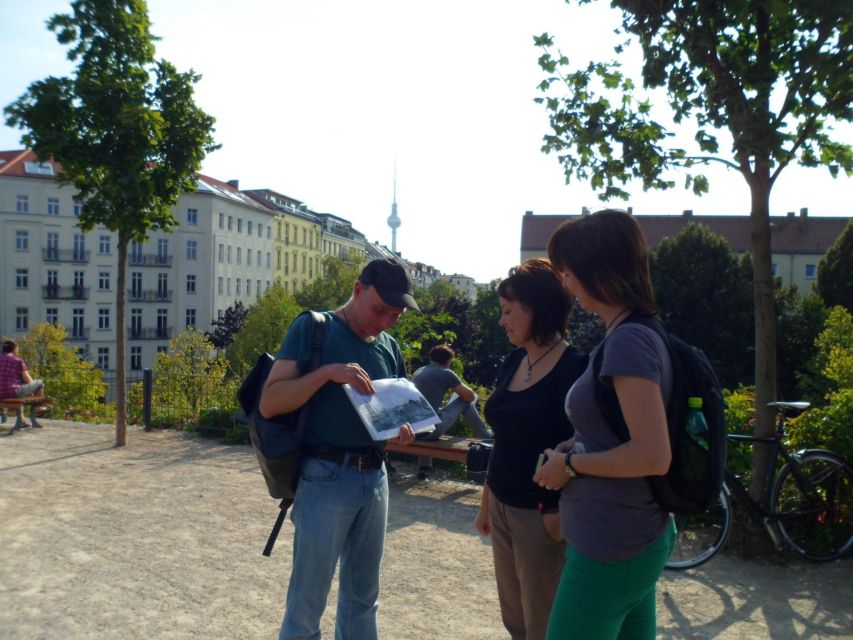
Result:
pixel 606 251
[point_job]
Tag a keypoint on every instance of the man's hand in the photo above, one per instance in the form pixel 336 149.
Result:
pixel 351 374
pixel 406 435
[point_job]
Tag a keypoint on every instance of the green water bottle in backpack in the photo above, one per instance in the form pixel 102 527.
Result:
pixel 696 425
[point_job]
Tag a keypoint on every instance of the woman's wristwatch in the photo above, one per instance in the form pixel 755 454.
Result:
pixel 569 468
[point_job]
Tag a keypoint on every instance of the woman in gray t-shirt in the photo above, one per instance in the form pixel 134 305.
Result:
pixel 618 538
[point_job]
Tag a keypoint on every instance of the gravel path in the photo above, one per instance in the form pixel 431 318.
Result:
pixel 163 539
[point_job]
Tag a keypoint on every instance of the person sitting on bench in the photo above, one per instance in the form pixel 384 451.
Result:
pixel 16 381
pixel 434 381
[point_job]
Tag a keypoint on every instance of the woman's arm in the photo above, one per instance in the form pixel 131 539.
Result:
pixel 647 453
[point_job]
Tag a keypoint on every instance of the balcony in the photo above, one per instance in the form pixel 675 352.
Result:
pixel 149 333
pixel 55 292
pixel 149 260
pixel 78 333
pixel 65 255
pixel 149 295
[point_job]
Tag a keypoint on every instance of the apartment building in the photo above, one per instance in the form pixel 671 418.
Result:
pixel 221 252
pixel 797 241
pixel 298 255
pixel 339 239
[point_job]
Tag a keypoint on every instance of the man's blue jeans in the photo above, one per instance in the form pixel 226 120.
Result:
pixel 449 413
pixel 339 512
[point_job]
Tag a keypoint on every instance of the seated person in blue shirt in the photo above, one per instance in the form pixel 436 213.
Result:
pixel 434 381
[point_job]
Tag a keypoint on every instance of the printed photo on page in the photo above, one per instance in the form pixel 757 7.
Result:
pixel 396 402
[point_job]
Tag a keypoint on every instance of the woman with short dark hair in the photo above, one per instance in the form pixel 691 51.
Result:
pixel 526 414
pixel 618 538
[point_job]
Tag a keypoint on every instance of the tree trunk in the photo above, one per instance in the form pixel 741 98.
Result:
pixel 765 328
pixel 121 333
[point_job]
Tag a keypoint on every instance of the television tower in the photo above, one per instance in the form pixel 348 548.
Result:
pixel 394 219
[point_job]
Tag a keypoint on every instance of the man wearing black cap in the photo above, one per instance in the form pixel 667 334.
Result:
pixel 341 505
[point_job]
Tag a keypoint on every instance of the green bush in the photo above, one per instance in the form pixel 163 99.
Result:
pixel 826 427
pixel 740 415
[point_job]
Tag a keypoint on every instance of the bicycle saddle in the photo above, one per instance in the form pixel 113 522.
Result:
pixel 790 406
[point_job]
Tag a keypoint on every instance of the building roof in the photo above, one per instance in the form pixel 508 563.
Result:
pixel 23 163
pixel 803 233
pixel 212 186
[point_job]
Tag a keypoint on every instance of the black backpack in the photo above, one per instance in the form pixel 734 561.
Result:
pixel 277 441
pixel 695 475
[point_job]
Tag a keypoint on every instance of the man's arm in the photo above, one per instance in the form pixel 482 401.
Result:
pixel 465 392
pixel 286 390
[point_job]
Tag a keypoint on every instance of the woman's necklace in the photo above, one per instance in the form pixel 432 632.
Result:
pixel 530 365
pixel 612 322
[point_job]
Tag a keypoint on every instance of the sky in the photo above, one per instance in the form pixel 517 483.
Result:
pixel 322 99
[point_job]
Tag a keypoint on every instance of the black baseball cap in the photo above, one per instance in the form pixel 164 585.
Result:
pixel 391 281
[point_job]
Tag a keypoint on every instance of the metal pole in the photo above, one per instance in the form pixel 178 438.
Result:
pixel 147 389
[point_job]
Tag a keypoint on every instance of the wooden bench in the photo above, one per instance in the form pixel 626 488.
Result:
pixel 445 448
pixel 26 401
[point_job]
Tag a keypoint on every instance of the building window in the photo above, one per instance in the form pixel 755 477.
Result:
pixel 190 317
pixel 23 205
pixel 103 319
pixel 53 206
pixel 229 254
pixel 249 228
pixel 221 220
pixel 230 222
pixel 162 323
pixel 22 319
pixel 51 315
pixel 136 284
pixel 269 260
pixel 78 279
pixel 221 285
pixel 237 288
pixel 104 358
pixel 136 322
pixel 162 286
pixel 104 245
pixel 77 328
pixel 239 255
pixel 811 271
pixel 228 286
pixel 22 240
pixel 192 216
pixel 259 257
pixel 162 348
pixel 136 358
pixel 221 252
pixel 22 278
pixel 104 280
pixel 220 314
pixel 52 246
pixel 258 288
pixel 239 225
pixel 162 250
pixel 191 283
pixel 79 247
pixel 248 286
pixel 192 249
pixel 77 209
pixel 248 257
pixel 278 258
pixel 268 286
pixel 52 278
pixel 269 232
pixel 775 269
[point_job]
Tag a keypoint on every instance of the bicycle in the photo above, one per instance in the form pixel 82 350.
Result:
pixel 808 510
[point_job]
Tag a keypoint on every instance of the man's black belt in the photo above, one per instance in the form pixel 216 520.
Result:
pixel 361 459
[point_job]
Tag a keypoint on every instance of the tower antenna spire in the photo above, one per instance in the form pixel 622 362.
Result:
pixel 394 220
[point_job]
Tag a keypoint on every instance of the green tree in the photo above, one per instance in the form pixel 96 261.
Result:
pixel 704 292
pixel 125 129
pixel 189 374
pixel 332 289
pixel 78 386
pixel 265 326
pixel 800 320
pixel 774 75
pixel 835 272
pixel 489 345
pixel 228 325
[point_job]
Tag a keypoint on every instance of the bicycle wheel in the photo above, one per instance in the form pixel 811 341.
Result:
pixel 815 511
pixel 700 536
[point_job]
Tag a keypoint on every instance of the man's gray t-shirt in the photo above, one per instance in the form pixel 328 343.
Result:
pixel 433 381
pixel 613 519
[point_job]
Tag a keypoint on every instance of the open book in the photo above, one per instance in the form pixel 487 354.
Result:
pixel 396 402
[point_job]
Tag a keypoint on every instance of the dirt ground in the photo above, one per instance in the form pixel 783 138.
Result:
pixel 163 539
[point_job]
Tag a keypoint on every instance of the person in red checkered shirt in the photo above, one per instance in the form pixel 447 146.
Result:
pixel 16 381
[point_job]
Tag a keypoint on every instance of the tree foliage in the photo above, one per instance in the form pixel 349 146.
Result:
pixel 265 326
pixel 800 319
pixel 190 375
pixel 334 288
pixel 125 129
pixel 489 344
pixel 228 325
pixel 77 385
pixel 774 75
pixel 835 272
pixel 704 292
